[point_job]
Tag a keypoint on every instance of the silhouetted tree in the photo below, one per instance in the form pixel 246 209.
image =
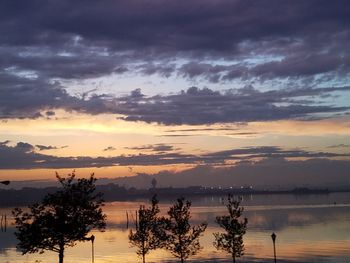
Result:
pixel 182 238
pixel 231 240
pixel 62 218
pixel 149 234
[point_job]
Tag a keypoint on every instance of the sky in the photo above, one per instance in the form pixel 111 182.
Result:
pixel 257 92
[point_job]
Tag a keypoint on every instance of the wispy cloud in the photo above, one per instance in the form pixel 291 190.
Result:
pixel 49 147
pixel 342 145
pixel 159 147
pixel 109 148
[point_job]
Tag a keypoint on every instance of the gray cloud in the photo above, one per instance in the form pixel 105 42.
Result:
pixel 205 106
pixel 159 147
pixel 23 156
pixel 97 39
pixel 24 147
pixel 179 135
pixel 4 142
pixel 42 45
pixel 49 147
pixel 201 129
pixel 24 98
pixel 296 64
pixel 249 153
pixel 194 106
pixel 189 132
pixel 342 145
pixel 109 148
pixel 204 26
pixel 39 97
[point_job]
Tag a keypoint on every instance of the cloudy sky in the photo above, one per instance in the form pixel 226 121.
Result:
pixel 123 87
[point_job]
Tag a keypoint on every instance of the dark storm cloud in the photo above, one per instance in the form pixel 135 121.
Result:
pixel 45 43
pixel 27 98
pixel 205 106
pixel 20 98
pixel 211 72
pixel 164 70
pixel 34 98
pixel 23 156
pixel 87 38
pixel 296 64
pixel 179 25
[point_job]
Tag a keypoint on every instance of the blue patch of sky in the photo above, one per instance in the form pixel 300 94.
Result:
pixel 28 74
pixel 154 84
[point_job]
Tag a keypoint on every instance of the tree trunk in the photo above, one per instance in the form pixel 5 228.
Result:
pixel 60 254
pixel 233 252
pixel 143 251
pixel 181 251
pixel 233 257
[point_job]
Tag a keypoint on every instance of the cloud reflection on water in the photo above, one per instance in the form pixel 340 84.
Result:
pixel 307 231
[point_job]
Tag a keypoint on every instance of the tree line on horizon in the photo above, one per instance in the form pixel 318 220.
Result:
pixel 67 216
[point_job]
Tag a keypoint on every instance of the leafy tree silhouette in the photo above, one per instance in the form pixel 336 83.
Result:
pixel 182 238
pixel 232 240
pixel 62 218
pixel 149 234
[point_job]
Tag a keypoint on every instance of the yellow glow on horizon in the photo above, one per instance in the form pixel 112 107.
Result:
pixel 87 135
pixel 103 172
pixel 72 123
pixel 69 123
pixel 339 126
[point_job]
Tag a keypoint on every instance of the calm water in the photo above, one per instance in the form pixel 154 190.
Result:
pixel 309 229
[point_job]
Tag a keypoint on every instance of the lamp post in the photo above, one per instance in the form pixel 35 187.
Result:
pixel 273 236
pixel 92 239
pixel 92 249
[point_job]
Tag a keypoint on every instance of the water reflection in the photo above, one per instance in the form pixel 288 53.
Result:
pixel 309 229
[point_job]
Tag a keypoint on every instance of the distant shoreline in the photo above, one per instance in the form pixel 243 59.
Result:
pixel 113 192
